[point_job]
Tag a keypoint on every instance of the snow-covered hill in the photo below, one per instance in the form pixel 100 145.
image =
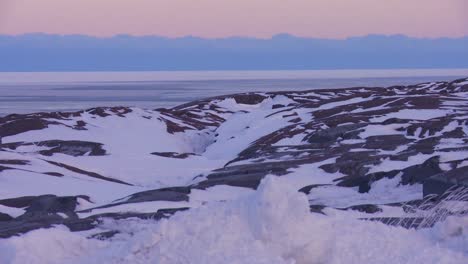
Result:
pixel 321 176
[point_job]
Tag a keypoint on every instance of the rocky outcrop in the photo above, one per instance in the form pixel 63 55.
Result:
pixel 440 183
pixel 69 147
pixel 368 141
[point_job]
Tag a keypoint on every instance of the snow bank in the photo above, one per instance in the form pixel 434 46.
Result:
pixel 272 225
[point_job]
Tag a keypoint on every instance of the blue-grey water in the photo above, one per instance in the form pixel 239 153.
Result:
pixel 34 92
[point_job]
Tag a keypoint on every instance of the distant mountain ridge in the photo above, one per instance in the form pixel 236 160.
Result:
pixel 46 52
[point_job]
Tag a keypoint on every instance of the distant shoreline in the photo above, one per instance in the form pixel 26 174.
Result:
pixel 43 52
pixel 149 76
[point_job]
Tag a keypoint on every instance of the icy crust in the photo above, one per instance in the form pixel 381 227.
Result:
pixel 272 225
pixel 343 156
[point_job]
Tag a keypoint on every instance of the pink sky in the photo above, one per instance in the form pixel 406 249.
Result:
pixel 221 18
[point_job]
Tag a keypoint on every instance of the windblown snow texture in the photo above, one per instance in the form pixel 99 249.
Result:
pixel 282 177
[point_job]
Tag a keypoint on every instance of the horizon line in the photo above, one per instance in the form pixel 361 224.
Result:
pixel 394 69
pixel 278 35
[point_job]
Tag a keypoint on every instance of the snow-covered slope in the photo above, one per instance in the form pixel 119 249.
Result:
pixel 283 177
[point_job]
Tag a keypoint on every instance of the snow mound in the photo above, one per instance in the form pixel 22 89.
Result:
pixel 272 225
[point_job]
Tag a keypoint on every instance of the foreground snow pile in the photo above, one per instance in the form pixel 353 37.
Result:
pixel 272 225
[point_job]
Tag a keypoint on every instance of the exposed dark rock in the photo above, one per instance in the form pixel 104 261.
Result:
pixel 174 155
pixel 15 124
pixel 104 235
pixel 72 147
pixel 21 126
pixel 332 134
pixel 418 173
pixel 276 106
pixel 107 111
pixel 248 175
pixel 411 175
pixel 354 164
pixel 87 173
pixel 440 183
pixel 173 127
pixel 14 162
pixel 295 120
pixel 365 208
pixel 386 142
pixel 18 202
pixel 55 174
pixel 21 226
pixel 248 180
pixel 3 168
pixel 316 208
pixel 80 125
pixel 308 188
pixel 394 121
pixel 249 98
pixel 47 205
pixel 5 217
pixel 363 182
pixel 172 194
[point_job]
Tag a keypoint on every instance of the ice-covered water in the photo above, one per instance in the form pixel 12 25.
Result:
pixel 33 92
